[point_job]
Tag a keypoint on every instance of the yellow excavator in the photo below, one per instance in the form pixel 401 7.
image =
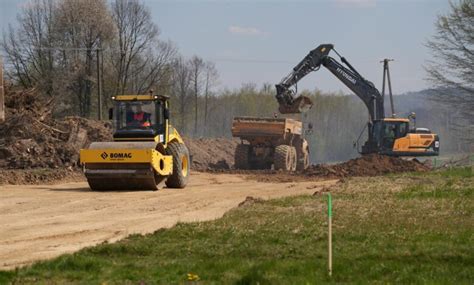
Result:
pixel 386 135
pixel 147 150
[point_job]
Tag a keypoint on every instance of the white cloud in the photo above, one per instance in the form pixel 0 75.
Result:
pixel 355 3
pixel 245 31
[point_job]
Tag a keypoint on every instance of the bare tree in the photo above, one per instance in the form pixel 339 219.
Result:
pixel 28 49
pixel 181 79
pixel 141 60
pixel 84 26
pixel 452 71
pixel 197 66
pixel 210 80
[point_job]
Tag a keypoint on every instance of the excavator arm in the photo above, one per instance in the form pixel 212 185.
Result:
pixel 363 88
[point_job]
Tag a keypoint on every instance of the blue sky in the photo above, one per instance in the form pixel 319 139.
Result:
pixel 261 41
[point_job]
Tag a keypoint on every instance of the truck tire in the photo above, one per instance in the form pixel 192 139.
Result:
pixel 181 161
pixel 241 156
pixel 294 159
pixel 282 157
pixel 303 162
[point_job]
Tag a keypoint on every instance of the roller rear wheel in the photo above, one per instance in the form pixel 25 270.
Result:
pixel 180 176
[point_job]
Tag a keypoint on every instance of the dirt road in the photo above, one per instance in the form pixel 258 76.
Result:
pixel 44 221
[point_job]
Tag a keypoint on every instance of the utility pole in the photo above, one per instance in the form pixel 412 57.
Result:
pixel 99 85
pixel 386 77
pixel 2 94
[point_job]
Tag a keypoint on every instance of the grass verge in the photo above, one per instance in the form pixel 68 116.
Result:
pixel 391 229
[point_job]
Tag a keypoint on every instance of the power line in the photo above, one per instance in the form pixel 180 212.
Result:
pixel 247 60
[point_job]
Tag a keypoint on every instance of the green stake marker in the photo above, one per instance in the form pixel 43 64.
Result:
pixel 329 234
pixel 329 205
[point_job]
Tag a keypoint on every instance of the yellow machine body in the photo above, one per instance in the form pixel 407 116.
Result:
pixel 162 164
pixel 414 143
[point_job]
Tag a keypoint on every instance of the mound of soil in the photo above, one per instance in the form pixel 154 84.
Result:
pixel 367 165
pixel 211 153
pixel 249 200
pixel 32 138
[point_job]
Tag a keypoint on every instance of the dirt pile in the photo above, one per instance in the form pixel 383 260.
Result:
pixel 32 138
pixel 249 200
pixel 368 165
pixel 211 153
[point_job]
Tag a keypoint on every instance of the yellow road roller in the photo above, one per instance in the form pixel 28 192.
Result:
pixel 147 150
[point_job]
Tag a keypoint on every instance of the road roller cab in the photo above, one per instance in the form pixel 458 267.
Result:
pixel 146 150
pixel 140 117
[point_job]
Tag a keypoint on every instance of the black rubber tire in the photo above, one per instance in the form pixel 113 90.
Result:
pixel 241 157
pixel 294 159
pixel 282 157
pixel 303 162
pixel 181 164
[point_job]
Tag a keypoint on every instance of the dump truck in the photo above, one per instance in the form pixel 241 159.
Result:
pixel 147 150
pixel 267 142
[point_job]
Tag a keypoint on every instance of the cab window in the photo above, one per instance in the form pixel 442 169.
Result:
pixel 136 115
pixel 395 129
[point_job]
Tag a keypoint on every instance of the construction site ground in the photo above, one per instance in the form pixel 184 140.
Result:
pixel 411 228
pixel 44 221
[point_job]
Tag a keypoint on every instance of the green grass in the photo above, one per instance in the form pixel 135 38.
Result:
pixel 460 172
pixel 397 229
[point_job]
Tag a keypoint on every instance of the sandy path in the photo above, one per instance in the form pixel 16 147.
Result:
pixel 44 221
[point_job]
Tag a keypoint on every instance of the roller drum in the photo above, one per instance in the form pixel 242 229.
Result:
pixel 122 176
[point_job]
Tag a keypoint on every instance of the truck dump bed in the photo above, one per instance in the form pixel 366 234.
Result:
pixel 272 127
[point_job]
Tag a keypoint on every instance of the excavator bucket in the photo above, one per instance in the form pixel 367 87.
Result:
pixel 299 105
